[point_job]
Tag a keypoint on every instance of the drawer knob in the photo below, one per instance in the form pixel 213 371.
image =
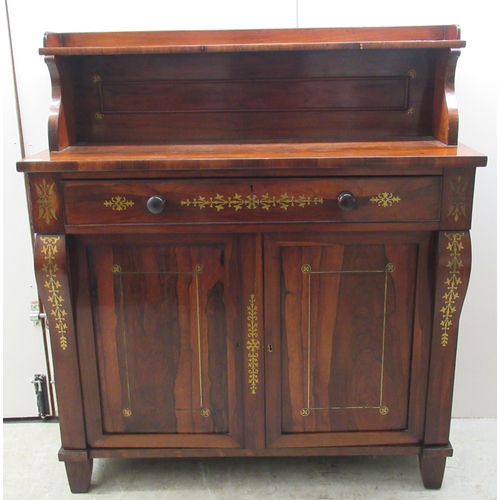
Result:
pixel 346 201
pixel 156 204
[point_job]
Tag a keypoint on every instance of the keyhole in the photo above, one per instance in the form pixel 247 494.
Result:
pixel 251 187
pixel 270 348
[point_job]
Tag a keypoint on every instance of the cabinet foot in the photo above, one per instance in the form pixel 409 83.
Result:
pixel 79 474
pixel 432 471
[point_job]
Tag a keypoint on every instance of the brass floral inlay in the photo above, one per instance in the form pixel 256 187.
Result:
pixel 119 203
pixel 458 198
pixel 385 199
pixel 46 202
pixel 253 346
pixel 252 201
pixel 455 246
pixel 57 310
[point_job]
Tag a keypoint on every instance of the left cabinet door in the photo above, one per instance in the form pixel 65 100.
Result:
pixel 159 333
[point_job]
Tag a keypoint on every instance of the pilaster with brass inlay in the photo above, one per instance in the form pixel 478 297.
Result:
pixel 453 269
pixel 52 272
pixel 252 350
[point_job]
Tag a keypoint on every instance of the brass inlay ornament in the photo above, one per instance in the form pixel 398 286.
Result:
pixel 390 268
pixel 412 74
pixel 99 116
pixel 252 201
pixel 410 111
pixel 458 198
pixel 307 270
pixel 96 79
pixel 46 202
pixel 119 203
pixel 205 412
pixel 455 246
pixel 253 345
pixel 385 199
pixel 127 412
pixel 57 310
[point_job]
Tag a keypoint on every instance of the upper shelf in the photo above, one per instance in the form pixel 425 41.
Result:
pixel 251 40
pixel 295 85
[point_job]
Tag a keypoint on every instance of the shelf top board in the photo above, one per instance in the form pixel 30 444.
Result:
pixel 265 156
pixel 107 43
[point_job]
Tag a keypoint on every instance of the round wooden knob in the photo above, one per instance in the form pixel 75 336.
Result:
pixel 156 204
pixel 346 201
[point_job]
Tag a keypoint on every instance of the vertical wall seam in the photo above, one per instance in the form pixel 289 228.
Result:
pixel 16 93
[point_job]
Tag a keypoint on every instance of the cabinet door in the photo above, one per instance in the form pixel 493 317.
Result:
pixel 347 320
pixel 158 337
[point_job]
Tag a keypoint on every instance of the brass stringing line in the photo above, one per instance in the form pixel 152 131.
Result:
pixel 196 272
pixel 345 272
pixel 199 341
pixel 154 272
pixel 126 344
pixel 383 339
pixel 348 408
pixel 309 340
pixel 309 343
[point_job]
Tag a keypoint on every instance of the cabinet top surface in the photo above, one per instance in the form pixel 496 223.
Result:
pixel 265 156
pixel 251 40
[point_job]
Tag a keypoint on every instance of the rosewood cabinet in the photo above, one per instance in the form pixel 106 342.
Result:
pixel 253 243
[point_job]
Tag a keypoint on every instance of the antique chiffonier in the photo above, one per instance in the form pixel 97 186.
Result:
pixel 253 243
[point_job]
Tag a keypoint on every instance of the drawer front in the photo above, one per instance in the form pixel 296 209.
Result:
pixel 209 201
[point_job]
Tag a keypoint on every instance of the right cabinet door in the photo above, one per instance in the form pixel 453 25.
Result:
pixel 347 332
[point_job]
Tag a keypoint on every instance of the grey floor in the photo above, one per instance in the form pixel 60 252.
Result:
pixel 31 471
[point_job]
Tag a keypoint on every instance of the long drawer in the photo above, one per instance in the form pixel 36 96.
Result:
pixel 209 201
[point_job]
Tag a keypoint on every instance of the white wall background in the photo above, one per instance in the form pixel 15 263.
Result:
pixel 475 390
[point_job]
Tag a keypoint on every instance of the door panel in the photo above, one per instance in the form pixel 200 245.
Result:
pixel 344 310
pixel 165 323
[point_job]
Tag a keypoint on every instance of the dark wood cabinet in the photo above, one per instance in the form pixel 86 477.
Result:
pixel 253 243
